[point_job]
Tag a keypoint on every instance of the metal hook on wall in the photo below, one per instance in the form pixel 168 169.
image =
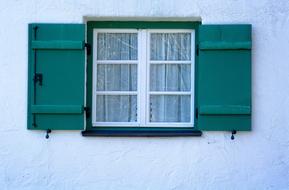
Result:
pixel 47 133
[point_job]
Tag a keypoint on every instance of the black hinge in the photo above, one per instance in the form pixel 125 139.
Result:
pixel 197 113
pixel 197 50
pixel 38 78
pixel 87 111
pixel 88 48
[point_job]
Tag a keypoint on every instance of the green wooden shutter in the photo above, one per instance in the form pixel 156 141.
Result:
pixel 224 78
pixel 56 80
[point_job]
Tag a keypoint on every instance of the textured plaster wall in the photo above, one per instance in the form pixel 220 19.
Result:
pixel 68 161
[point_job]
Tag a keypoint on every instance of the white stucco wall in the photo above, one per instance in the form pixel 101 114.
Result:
pixel 68 161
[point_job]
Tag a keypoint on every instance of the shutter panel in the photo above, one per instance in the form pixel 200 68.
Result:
pixel 56 76
pixel 224 78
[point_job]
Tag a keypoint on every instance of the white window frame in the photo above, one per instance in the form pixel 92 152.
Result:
pixel 143 75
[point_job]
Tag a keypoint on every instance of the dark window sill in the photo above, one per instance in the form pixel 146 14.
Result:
pixel 142 132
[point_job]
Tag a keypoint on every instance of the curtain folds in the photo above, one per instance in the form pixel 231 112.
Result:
pixel 170 77
pixel 116 77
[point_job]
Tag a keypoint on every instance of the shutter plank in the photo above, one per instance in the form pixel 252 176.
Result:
pixel 225 110
pixel 57 109
pixel 224 45
pixel 65 45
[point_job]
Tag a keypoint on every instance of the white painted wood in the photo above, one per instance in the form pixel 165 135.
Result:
pixel 149 62
pixel 115 124
pixel 143 83
pixel 170 62
pixel 193 42
pixel 98 62
pixel 116 92
pixel 169 31
pixel 142 77
pixel 170 93
pixel 116 30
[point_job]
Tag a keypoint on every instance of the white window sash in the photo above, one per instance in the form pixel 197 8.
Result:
pixel 149 62
pixel 143 76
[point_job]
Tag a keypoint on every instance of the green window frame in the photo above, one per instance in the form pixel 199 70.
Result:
pixel 134 131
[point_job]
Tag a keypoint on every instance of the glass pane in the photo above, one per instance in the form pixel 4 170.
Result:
pixel 117 46
pixel 116 108
pixel 117 77
pixel 170 46
pixel 170 108
pixel 170 77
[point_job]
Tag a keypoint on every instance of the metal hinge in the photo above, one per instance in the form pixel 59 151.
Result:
pixel 38 77
pixel 87 111
pixel 197 113
pixel 88 48
pixel 197 50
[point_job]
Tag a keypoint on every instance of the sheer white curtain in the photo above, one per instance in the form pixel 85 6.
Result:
pixel 164 77
pixel 170 77
pixel 116 77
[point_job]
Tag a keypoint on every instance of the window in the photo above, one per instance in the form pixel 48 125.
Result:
pixel 143 77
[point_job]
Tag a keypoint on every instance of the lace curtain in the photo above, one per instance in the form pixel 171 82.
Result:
pixel 170 77
pixel 163 77
pixel 116 77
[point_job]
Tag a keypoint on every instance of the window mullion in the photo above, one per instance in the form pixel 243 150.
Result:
pixel 192 76
pixel 142 90
pixel 147 100
pixel 94 75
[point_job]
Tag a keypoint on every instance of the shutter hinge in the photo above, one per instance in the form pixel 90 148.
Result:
pixel 197 113
pixel 197 50
pixel 38 78
pixel 87 111
pixel 88 48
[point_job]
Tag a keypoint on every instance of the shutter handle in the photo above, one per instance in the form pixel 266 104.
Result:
pixel 233 133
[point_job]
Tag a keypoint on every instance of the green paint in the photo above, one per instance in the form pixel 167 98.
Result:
pixel 57 45
pixel 143 24
pixel 63 70
pixel 134 25
pixel 57 109
pixel 224 77
pixel 225 45
pixel 225 110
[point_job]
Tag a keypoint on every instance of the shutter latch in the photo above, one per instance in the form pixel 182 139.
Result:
pixel 88 48
pixel 38 77
pixel 87 111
